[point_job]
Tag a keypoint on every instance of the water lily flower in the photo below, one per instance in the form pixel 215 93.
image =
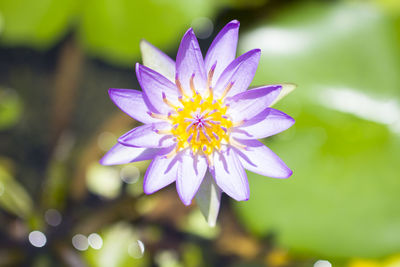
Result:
pixel 200 120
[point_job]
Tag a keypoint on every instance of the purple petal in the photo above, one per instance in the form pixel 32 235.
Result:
pixel 132 103
pixel 189 61
pixel 223 49
pixel 230 175
pixel 248 104
pixel 153 85
pixel 260 159
pixel 268 122
pixel 120 154
pixel 147 136
pixel 241 72
pixel 155 59
pixel 191 173
pixel 161 172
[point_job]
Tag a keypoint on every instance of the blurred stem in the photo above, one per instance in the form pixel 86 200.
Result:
pixel 67 76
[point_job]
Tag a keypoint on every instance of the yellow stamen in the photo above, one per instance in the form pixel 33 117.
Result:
pixel 236 144
pixel 179 85
pixel 171 154
pixel 166 101
pixel 163 131
pixel 210 161
pixel 192 84
pixel 227 89
pixel 158 116
pixel 209 79
pixel 238 123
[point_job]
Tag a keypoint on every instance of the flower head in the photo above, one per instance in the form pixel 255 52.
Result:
pixel 200 120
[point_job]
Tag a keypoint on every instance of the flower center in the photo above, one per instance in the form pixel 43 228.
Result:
pixel 200 124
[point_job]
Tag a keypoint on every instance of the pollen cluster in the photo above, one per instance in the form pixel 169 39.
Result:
pixel 200 124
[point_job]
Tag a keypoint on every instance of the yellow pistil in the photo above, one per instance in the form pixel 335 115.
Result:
pixel 200 123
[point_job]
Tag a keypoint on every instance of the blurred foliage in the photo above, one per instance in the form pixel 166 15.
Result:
pixel 110 29
pixel 39 23
pixel 342 200
pixel 121 248
pixel 10 108
pixel 13 196
pixel 393 261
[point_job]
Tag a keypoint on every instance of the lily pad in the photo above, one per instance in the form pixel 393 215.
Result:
pixel 342 200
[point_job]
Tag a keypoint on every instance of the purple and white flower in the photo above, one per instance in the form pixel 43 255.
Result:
pixel 200 120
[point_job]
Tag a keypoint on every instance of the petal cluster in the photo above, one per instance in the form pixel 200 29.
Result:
pixel 200 119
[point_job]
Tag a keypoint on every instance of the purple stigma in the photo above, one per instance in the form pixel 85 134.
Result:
pixel 215 135
pixel 190 138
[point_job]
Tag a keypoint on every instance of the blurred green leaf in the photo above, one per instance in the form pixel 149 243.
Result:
pixel 244 3
pixel 342 200
pixel 110 29
pixel 10 108
pixel 55 186
pixel 192 255
pixel 39 23
pixel 114 28
pixel 13 196
pixel 316 46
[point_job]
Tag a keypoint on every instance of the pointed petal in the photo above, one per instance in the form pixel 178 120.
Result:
pixel 230 175
pixel 120 154
pixel 147 136
pixel 241 72
pixel 208 198
pixel 260 159
pixel 223 49
pixel 161 172
pixel 248 104
pixel 155 59
pixel 189 60
pixel 268 122
pixel 132 103
pixel 153 85
pixel 191 172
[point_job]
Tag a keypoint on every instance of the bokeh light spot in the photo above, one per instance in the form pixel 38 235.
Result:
pixel 106 140
pixel 53 217
pixel 37 239
pixel 322 263
pixel 130 174
pixel 95 241
pixel 203 27
pixel 136 249
pixel 80 242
